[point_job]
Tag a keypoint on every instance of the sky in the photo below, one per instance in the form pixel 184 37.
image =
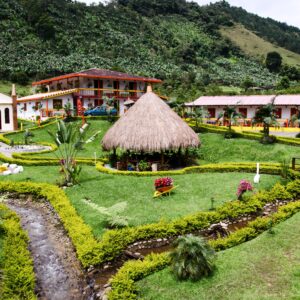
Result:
pixel 282 10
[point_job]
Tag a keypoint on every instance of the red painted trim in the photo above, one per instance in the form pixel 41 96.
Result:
pixel 144 79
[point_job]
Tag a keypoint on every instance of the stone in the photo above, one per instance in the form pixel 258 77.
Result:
pixel 159 240
pixel 5 165
pixel 12 166
pixel 16 170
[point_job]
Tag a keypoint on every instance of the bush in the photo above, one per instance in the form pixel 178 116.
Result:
pixel 268 139
pixel 19 77
pixel 18 279
pixel 192 258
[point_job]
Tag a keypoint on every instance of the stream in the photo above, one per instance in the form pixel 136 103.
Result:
pixel 58 272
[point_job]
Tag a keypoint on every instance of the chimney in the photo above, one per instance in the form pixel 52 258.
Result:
pixel 14 106
pixel 149 88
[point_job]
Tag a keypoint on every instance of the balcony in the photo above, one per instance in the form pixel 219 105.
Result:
pixel 110 93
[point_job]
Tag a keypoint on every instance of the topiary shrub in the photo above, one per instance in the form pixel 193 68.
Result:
pixel 192 258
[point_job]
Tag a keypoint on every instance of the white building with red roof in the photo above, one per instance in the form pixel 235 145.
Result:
pixel 85 89
pixel 287 105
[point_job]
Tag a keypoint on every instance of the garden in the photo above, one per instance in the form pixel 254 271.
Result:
pixel 114 221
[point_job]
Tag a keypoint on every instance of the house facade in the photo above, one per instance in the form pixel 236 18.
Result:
pixel 8 112
pixel 82 90
pixel 286 105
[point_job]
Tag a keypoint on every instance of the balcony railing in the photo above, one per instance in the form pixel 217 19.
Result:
pixel 110 93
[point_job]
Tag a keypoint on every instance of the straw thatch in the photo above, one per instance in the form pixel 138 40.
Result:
pixel 150 126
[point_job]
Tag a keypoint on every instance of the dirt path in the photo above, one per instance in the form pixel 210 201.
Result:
pixel 58 272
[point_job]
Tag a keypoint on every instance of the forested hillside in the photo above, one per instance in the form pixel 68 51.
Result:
pixel 174 40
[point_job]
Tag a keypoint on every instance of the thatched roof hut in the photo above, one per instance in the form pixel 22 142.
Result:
pixel 150 125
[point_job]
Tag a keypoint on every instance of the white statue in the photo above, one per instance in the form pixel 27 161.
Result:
pixel 257 176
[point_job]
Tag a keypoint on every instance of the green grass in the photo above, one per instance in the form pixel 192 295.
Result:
pixel 254 45
pixel 215 148
pixel 41 135
pixel 193 193
pixel 22 90
pixel 264 268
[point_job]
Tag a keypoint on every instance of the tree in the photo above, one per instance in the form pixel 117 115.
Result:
pixel 273 61
pixel 284 83
pixel 247 83
pixel 198 114
pixel 192 258
pixel 231 115
pixel 267 116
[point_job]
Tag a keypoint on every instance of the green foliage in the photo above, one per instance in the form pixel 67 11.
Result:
pixel 180 39
pixel 267 116
pixel 273 61
pixel 284 83
pixel 192 258
pixel 112 214
pixel 69 140
pixel 17 278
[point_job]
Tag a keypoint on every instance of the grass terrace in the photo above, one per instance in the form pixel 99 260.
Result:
pixel 264 268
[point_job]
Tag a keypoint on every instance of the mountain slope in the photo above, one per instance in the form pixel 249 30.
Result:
pixel 174 40
pixel 255 46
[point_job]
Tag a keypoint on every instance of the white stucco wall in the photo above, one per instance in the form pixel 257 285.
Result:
pixel 6 126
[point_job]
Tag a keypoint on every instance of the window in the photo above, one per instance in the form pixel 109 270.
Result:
pixel 294 111
pixel 57 103
pixel 6 115
pixel 279 112
pixel 212 112
pixel 243 111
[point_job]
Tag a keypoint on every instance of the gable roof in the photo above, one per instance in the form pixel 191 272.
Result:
pixel 4 99
pixel 49 95
pixel 100 74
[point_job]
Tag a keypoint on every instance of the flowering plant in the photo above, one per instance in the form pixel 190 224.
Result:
pixel 165 181
pixel 243 187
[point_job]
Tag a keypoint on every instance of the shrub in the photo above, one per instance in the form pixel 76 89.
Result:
pixel 192 258
pixel 18 279
pixel 243 187
pixel 112 214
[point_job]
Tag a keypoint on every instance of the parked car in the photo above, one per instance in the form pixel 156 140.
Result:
pixel 100 111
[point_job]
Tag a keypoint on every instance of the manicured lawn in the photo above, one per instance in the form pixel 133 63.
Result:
pixel 193 194
pixel 41 135
pixel 215 149
pixel 264 268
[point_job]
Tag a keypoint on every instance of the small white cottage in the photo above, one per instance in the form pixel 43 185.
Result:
pixel 8 112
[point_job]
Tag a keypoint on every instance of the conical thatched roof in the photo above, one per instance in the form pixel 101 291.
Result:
pixel 150 125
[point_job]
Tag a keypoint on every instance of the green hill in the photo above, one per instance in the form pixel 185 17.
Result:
pixel 255 46
pixel 174 40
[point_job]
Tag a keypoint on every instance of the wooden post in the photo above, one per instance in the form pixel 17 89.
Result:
pixel 294 163
pixel 14 107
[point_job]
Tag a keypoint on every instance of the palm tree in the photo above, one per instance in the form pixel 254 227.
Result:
pixel 179 108
pixel 267 116
pixel 198 114
pixel 231 115
pixel 192 258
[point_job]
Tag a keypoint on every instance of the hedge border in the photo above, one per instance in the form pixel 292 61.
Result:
pixel 247 134
pixel 123 283
pixel 266 168
pixel 18 278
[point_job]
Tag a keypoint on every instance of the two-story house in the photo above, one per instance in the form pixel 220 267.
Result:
pixel 85 89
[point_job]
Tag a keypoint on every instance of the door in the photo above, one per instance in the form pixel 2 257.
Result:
pixel 243 111
pixel 98 84
pixel 279 113
pixel 211 112
pixel 116 88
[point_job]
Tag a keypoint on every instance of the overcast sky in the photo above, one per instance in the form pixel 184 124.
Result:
pixel 281 10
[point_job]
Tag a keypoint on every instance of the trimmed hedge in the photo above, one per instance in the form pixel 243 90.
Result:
pixel 80 233
pixel 266 168
pixel 246 134
pixel 123 283
pixel 18 279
